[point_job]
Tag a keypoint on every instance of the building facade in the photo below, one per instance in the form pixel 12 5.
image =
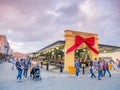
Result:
pixel 4 46
pixel 58 51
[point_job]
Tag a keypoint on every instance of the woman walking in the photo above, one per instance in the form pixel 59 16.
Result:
pixel 19 66
pixel 100 69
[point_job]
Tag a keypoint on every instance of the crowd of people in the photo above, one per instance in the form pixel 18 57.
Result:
pixel 101 66
pixel 23 66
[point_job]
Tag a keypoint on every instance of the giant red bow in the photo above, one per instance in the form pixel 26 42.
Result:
pixel 79 40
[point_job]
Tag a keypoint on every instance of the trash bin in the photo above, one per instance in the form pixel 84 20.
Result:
pixel 110 66
pixel 71 69
pixel 61 67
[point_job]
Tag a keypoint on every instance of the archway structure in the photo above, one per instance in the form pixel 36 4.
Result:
pixel 70 40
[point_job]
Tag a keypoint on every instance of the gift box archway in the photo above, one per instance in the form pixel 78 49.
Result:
pixel 76 39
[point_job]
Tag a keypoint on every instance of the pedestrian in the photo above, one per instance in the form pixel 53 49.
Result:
pixel 41 62
pixel 92 70
pixel 33 64
pixel 113 64
pixel 100 68
pixel 95 64
pixel 118 64
pixel 12 61
pixel 105 68
pixel 90 62
pixel 19 66
pixel 26 65
pixel 77 66
pixel 83 65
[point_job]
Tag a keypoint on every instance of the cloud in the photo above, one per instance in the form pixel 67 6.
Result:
pixel 38 23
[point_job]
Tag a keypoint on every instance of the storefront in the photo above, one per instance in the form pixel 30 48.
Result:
pixel 77 44
pixel 61 51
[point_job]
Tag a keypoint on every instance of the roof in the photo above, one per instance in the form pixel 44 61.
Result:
pixel 19 55
pixel 55 43
pixel 101 46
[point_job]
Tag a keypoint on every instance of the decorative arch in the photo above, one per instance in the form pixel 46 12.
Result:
pixel 76 39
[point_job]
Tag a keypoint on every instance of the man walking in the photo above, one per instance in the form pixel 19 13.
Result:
pixel 77 66
pixel 91 65
pixel 26 65
pixel 105 68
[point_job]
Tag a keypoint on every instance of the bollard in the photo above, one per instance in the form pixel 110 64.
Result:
pixel 47 66
pixel 41 64
pixel 83 70
pixel 61 68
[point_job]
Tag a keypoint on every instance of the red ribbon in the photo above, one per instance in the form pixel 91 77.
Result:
pixel 79 40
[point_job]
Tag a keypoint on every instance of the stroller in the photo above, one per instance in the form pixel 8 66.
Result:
pixel 35 73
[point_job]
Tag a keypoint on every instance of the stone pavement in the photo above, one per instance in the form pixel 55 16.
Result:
pixel 53 80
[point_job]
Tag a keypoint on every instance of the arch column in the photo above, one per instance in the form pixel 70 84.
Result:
pixel 69 58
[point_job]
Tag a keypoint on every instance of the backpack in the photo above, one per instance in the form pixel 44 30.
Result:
pixel 91 63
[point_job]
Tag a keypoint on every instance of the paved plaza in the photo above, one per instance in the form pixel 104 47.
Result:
pixel 54 80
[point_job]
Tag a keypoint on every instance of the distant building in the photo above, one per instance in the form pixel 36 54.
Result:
pixel 4 46
pixel 19 55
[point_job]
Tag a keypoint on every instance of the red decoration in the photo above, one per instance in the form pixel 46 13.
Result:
pixel 79 40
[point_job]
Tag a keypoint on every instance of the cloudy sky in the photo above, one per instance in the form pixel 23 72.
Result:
pixel 30 25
